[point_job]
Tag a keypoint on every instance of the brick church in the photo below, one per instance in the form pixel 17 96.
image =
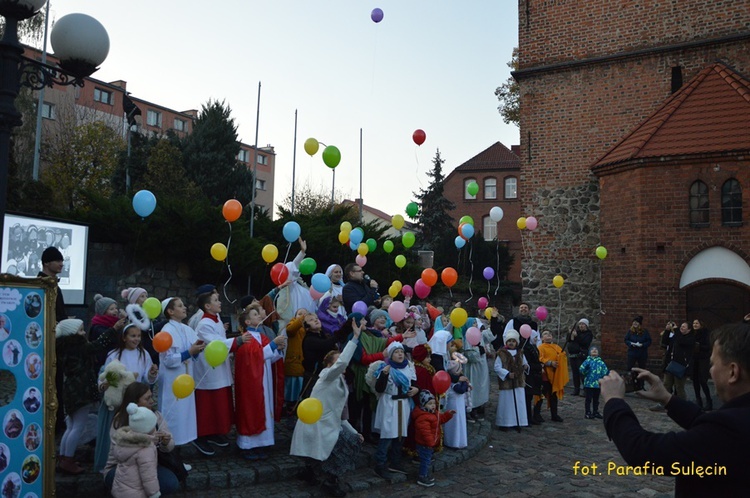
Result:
pixel 635 135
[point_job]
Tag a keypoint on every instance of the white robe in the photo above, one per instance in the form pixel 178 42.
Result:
pixel 477 371
pixel 207 377
pixel 265 438
pixel 134 362
pixel 455 429
pixel 387 413
pixel 179 413
pixel 508 413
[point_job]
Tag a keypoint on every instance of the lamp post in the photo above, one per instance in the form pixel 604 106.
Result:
pixel 80 43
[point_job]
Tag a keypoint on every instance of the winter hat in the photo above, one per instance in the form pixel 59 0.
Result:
pixel 593 348
pixel 51 254
pixel 68 327
pixel 375 314
pixel 425 397
pixel 511 334
pixel 101 304
pixel 392 347
pixel 141 419
pixel 131 294
pixel 357 317
pixel 584 321
pixel 420 352
pixel 246 301
pixel 638 319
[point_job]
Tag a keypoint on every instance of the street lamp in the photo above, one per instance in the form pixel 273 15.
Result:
pixel 80 43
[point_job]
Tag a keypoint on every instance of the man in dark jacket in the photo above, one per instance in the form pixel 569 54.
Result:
pixel 358 288
pixel 708 458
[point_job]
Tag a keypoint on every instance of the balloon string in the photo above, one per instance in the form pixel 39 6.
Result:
pixel 164 414
pixel 559 313
pixel 488 288
pixel 471 274
pixel 288 248
pixel 229 267
pixel 497 267
pixel 416 158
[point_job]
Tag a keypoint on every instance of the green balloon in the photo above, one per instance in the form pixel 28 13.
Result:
pixel 371 244
pixel 307 266
pixel 408 239
pixel 400 261
pixel 332 156
pixel 388 246
pixel 466 219
pixel 601 252
pixel 472 188
pixel 411 209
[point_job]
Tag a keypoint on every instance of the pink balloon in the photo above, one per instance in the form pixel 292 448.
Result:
pixel 525 331
pixel 542 313
pixel 361 260
pixel 397 311
pixel 531 223
pixel 421 289
pixel 474 336
pixel 483 303
pixel 407 291
pixel 315 294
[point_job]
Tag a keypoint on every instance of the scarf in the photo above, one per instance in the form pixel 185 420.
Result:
pixel 399 379
pixel 108 321
pixel 211 317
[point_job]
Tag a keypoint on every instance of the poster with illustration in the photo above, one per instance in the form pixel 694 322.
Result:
pixel 27 343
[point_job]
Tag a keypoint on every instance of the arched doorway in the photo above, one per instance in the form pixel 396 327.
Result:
pixel 717 287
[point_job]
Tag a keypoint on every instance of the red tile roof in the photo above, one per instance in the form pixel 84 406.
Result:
pixel 710 114
pixel 496 156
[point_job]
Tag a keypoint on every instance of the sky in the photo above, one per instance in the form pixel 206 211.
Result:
pixel 427 65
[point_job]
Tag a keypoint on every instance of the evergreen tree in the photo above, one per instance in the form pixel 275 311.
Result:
pixel 433 219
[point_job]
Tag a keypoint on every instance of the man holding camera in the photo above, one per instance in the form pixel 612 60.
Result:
pixel 708 458
pixel 359 287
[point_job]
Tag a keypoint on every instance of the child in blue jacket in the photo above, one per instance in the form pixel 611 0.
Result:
pixel 593 369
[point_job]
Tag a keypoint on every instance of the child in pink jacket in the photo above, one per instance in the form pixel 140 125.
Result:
pixel 135 451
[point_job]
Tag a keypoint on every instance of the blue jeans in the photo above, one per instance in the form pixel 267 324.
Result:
pixel 388 449
pixel 168 483
pixel 425 459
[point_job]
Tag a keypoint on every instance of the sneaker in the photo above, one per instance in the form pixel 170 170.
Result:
pixel 188 467
pixel 597 415
pixel 218 440
pixel 425 481
pixel 201 445
pixel 384 473
pixel 397 467
pixel 251 455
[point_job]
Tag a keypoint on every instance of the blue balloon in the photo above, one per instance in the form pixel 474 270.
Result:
pixel 352 245
pixel 291 231
pixel 144 203
pixel 467 231
pixel 321 283
pixel 356 236
pixel 460 242
pixel 376 15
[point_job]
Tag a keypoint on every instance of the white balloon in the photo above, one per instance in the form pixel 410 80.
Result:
pixel 496 214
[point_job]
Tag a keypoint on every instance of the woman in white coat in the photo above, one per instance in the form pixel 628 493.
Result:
pixel 331 444
pixel 178 360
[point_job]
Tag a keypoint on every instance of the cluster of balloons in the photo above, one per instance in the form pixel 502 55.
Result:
pixel 331 154
pixel 232 210
pixel 144 203
pixel 354 238
pixel 465 231
pixel 529 223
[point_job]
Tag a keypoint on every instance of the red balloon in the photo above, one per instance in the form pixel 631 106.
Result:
pixel 279 273
pixel 441 381
pixel 429 277
pixel 419 137
pixel 421 289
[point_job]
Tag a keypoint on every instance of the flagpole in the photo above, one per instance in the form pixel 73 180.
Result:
pixel 40 105
pixel 361 201
pixel 255 167
pixel 294 158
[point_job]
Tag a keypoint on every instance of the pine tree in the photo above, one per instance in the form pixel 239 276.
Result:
pixel 433 219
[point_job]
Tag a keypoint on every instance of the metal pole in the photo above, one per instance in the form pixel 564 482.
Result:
pixel 361 201
pixel 294 158
pixel 40 103
pixel 255 167
pixel 127 163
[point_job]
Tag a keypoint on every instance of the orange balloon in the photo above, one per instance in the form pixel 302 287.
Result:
pixel 232 210
pixel 429 277
pixel 460 226
pixel 162 342
pixel 449 277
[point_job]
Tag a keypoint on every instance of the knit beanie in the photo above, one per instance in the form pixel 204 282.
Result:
pixel 101 304
pixel 584 321
pixel 511 334
pixel 246 301
pixel 638 319
pixel 420 352
pixel 131 294
pixel 67 327
pixel 375 314
pixel 356 316
pixel 392 347
pixel 425 397
pixel 51 254
pixel 141 419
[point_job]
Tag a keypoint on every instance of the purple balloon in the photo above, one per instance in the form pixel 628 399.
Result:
pixel 360 307
pixel 376 15
pixel 488 273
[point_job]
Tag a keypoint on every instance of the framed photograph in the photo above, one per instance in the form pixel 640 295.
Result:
pixel 25 239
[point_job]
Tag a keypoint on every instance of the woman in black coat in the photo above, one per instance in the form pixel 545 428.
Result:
pixel 579 341
pixel 701 364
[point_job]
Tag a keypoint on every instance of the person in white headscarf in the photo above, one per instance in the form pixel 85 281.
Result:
pixel 439 345
pixel 336 274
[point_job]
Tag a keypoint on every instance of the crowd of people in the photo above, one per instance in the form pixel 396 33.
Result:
pixel 408 384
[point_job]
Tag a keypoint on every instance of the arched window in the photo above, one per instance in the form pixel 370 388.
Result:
pixel 511 187
pixel 489 228
pixel 467 195
pixel 698 204
pixel 490 188
pixel 731 202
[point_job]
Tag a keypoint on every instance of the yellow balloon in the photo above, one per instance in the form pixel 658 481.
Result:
pixel 345 227
pixel 521 223
pixel 219 251
pixel 397 221
pixel 558 281
pixel 362 249
pixel 488 313
pixel 397 285
pixel 311 146
pixel 344 237
pixel 392 291
pixel 269 253
pixel 400 260
pixel 459 317
pixel 183 386
pixel 310 410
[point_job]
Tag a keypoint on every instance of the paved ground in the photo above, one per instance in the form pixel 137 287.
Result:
pixel 536 462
